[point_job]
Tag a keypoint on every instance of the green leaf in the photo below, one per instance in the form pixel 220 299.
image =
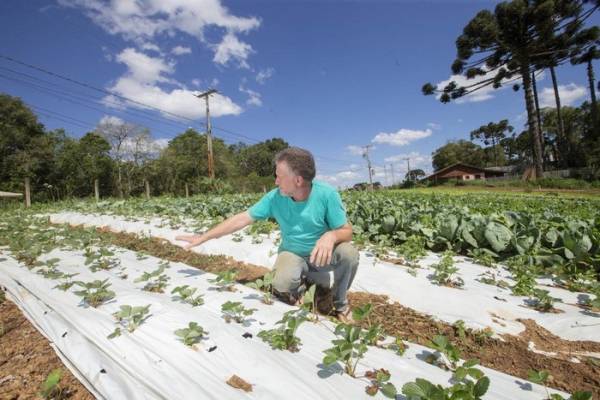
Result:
pixel 498 236
pixel 51 383
pixel 581 396
pixel 330 359
pixel 481 387
pixel 415 389
pixel 389 390
pixel 471 363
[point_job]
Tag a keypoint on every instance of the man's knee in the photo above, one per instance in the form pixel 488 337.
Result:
pixel 288 272
pixel 346 254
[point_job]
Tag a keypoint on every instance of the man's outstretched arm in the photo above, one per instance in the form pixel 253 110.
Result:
pixel 323 250
pixel 230 225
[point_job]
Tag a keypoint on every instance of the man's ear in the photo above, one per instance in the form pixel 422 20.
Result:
pixel 299 180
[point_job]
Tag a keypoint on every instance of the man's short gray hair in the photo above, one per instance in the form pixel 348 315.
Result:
pixel 300 161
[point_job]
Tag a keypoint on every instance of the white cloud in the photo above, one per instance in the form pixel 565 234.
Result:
pixel 196 82
pixel 253 97
pixel 232 48
pixel 416 159
pixel 342 178
pixel 402 137
pixel 141 84
pixel 150 47
pixel 111 119
pixel 264 74
pixel 355 150
pixel 143 68
pixel 434 126
pixel 214 82
pixel 160 143
pixel 139 21
pixel 180 50
pixel 569 94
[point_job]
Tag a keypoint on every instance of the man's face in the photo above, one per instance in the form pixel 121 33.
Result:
pixel 285 179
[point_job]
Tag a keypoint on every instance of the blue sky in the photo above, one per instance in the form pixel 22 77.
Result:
pixel 330 76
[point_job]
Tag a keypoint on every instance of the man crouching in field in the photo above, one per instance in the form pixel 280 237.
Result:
pixel 315 246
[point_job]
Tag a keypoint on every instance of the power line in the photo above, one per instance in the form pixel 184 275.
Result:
pixel 107 92
pixel 141 104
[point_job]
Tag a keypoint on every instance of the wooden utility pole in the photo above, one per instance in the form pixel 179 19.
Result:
pixel 211 160
pixel 366 156
pixel 27 193
pixel 407 168
pixel 385 173
pixel 393 179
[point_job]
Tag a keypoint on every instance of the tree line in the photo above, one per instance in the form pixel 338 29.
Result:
pixel 507 47
pixel 121 159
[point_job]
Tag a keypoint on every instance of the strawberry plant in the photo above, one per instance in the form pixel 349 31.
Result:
pixel 525 281
pixel 412 249
pixel 379 379
pixel 50 273
pixel 444 270
pixel 483 257
pixel 595 303
pixel 460 329
pixel 156 280
pixel 67 282
pixel 374 333
pixel 50 387
pixel 482 335
pixel 540 377
pixel 348 349
pixel 192 334
pixel 490 278
pixel 543 377
pixel 542 301
pixel 130 317
pixel 101 259
pixel 225 280
pixel 284 337
pixel 95 293
pixel 579 395
pixel 265 284
pixel 186 295
pixel 446 355
pixel 234 310
pixel 398 346
pixel 422 389
pixel 309 303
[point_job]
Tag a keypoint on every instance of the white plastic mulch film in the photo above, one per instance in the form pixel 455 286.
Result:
pixel 478 304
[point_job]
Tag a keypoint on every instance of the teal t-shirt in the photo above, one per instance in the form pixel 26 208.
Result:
pixel 302 223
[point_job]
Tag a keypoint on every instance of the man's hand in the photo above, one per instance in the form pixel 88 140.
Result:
pixel 230 225
pixel 321 254
pixel 193 240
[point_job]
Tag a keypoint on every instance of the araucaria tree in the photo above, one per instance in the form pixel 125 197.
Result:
pixel 492 134
pixel 499 47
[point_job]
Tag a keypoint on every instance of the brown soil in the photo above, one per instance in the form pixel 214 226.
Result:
pixel 26 359
pixel 163 249
pixel 510 355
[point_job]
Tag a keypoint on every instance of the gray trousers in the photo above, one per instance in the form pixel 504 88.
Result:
pixel 292 270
